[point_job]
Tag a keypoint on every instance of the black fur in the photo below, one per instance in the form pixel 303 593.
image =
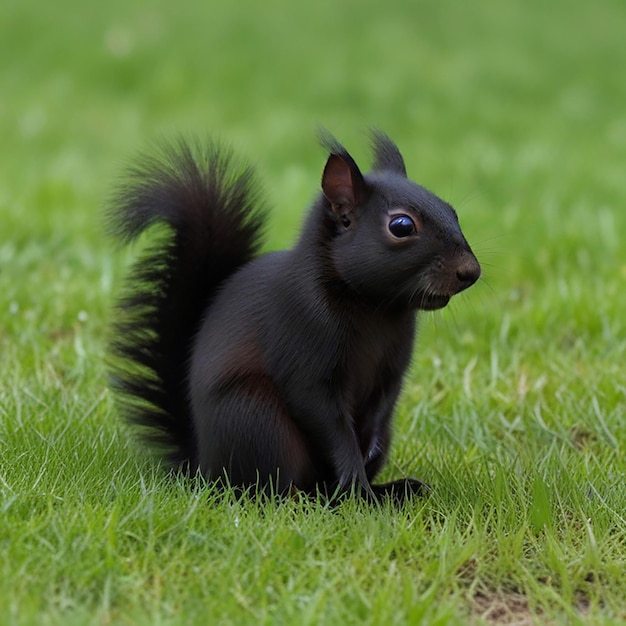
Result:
pixel 281 369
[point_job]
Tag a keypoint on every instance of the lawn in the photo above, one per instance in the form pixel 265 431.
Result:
pixel 515 408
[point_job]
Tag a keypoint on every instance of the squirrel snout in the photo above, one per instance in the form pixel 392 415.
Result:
pixel 468 272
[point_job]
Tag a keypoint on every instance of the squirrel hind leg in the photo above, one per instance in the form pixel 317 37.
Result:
pixel 247 440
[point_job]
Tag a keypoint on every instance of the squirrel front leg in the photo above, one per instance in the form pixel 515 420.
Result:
pixel 330 430
pixel 347 460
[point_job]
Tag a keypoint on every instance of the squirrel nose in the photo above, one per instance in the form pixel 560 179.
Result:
pixel 468 272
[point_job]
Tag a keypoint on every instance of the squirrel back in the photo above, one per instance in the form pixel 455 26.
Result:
pixel 281 370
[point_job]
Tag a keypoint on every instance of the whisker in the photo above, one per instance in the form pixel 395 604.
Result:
pixel 478 242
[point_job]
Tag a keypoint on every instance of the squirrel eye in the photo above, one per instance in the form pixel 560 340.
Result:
pixel 402 226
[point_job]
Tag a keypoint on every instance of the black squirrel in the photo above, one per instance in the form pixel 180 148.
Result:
pixel 281 370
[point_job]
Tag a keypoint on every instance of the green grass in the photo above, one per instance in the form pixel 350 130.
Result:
pixel 515 410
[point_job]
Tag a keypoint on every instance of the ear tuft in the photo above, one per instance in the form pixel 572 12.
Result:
pixel 329 142
pixel 387 156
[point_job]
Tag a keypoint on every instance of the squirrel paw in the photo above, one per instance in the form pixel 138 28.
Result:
pixel 402 490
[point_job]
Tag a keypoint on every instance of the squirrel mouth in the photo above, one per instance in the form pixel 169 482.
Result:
pixel 431 302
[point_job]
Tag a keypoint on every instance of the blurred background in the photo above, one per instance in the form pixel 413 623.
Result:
pixel 513 112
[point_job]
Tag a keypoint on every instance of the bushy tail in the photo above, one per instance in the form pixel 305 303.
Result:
pixel 213 222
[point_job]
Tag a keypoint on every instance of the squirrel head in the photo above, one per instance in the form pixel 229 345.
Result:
pixel 393 243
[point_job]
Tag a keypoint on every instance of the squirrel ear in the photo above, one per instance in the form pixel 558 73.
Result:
pixel 386 154
pixel 342 182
